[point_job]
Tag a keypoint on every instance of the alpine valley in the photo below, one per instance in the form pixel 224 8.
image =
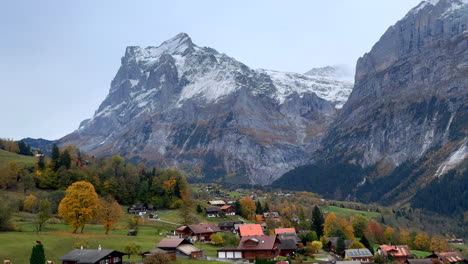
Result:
pixel 397 135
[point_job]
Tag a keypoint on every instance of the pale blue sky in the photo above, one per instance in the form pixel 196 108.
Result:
pixel 58 57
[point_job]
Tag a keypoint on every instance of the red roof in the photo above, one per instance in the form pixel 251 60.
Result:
pixel 258 243
pixel 250 230
pixel 227 207
pixel 284 230
pixel 396 250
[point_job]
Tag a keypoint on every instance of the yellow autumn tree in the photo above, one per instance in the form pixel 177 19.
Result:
pixel 334 226
pixel 29 203
pixel 109 212
pixel 330 223
pixel 247 207
pixel 79 205
pixel 422 242
pixel 438 243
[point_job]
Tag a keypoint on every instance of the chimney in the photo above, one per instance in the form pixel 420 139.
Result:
pixel 99 247
pixel 81 247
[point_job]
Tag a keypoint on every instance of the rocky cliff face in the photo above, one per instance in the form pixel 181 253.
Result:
pixel 405 119
pixel 206 113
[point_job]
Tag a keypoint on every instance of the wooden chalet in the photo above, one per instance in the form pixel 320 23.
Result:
pixel 288 247
pixel 459 241
pixel 447 257
pixel 200 232
pixel 271 215
pixel 229 226
pixel 139 208
pixel 212 211
pixel 93 256
pixel 361 254
pixel 398 253
pixel 250 247
pixel 228 209
pixel 180 247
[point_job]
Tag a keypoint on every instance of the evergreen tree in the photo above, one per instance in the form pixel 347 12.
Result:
pixel 266 208
pixel 259 209
pixel 55 157
pixel 41 162
pixel 37 255
pixel 24 149
pixel 199 209
pixel 340 246
pixel 238 207
pixel 317 221
pixel 65 160
pixel 366 243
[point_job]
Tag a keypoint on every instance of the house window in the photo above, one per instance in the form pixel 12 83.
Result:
pixel 116 259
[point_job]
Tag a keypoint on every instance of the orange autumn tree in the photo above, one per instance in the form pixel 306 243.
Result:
pixel 109 212
pixel 79 205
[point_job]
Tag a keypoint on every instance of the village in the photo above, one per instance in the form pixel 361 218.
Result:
pixel 255 243
pixel 224 236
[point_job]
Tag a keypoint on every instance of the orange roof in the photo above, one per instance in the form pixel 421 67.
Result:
pixel 284 230
pixel 396 250
pixel 250 230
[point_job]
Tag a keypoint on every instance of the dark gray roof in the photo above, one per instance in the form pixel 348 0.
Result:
pixel 229 224
pixel 288 244
pixel 87 255
pixel 213 209
pixel 358 253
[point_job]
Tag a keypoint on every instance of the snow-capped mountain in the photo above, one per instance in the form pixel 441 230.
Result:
pixel 192 107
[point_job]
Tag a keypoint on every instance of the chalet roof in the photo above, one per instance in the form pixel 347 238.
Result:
pixel 285 230
pixel 187 249
pixel 153 251
pixel 217 202
pixel 288 244
pixel 250 230
pixel 204 228
pixel 419 261
pixel 212 209
pixel 260 242
pixel 396 251
pixel 88 255
pixel 270 214
pixel 229 224
pixel 227 207
pixel 167 243
pixel 349 262
pixel 447 256
pixel 358 253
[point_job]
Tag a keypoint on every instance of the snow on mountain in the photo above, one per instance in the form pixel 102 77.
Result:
pixel 209 76
pixel 335 91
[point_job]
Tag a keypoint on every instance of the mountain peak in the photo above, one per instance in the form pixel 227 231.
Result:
pixel 181 39
pixel 339 72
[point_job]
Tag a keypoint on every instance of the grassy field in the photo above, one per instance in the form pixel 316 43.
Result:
pixel 420 254
pixel 6 157
pixel 58 239
pixel 348 212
